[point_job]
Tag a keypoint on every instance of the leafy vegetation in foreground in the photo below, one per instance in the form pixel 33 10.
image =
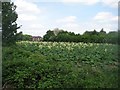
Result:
pixel 60 65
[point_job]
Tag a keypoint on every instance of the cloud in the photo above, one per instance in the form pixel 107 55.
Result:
pixel 67 19
pixel 28 7
pixel 35 22
pixel 105 20
pixel 72 27
pixel 25 17
pixel 110 3
pixel 86 2
pixel 29 16
pixel 69 23
pixel 105 17
pixel 34 29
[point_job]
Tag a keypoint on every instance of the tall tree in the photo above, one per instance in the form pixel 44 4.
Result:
pixel 9 25
pixel 49 36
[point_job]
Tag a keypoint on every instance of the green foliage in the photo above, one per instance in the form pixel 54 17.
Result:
pixel 9 25
pixel 49 36
pixel 24 37
pixel 87 37
pixel 60 65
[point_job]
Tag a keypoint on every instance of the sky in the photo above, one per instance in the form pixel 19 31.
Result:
pixel 78 16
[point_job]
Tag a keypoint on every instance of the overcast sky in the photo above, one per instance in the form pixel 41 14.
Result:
pixel 38 16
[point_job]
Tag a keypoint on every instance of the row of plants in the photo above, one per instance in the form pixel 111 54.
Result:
pixel 60 65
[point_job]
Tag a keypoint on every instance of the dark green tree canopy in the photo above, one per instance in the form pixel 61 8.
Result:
pixel 9 25
pixel 87 36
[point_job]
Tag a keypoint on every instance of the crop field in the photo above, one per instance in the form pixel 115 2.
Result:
pixel 60 65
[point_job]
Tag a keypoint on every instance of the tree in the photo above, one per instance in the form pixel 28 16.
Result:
pixel 112 37
pixel 102 31
pixel 49 36
pixel 9 25
pixel 26 37
pixel 102 36
pixel 94 32
pixel 57 31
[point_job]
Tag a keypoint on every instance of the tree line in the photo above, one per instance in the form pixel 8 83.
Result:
pixel 87 36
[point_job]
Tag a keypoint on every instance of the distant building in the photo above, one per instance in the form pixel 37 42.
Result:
pixel 36 38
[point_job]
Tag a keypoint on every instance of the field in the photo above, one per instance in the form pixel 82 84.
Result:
pixel 60 65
